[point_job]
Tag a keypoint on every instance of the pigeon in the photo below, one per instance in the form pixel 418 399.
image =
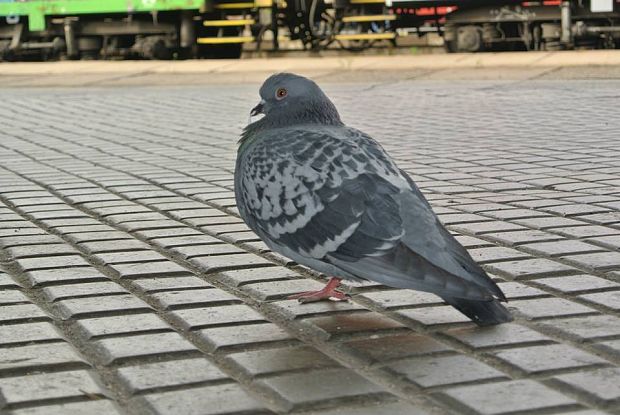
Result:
pixel 330 198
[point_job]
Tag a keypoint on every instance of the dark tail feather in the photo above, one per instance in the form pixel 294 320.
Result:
pixel 483 313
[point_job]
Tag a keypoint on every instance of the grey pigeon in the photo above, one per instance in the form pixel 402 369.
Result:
pixel 329 197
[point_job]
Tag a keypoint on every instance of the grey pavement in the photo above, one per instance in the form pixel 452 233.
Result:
pixel 129 285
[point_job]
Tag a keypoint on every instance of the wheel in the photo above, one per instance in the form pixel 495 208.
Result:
pixel 469 39
pixel 152 47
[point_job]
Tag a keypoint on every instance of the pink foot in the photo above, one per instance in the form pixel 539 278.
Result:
pixel 329 291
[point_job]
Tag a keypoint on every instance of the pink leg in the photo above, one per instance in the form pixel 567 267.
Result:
pixel 329 291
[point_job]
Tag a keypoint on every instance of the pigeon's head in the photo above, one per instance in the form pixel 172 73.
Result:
pixel 288 99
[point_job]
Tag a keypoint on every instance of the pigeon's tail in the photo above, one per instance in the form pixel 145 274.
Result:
pixel 483 313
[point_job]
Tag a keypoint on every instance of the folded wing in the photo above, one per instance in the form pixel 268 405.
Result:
pixel 340 199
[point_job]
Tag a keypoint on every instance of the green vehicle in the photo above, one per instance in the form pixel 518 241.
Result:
pixel 178 29
pixel 150 29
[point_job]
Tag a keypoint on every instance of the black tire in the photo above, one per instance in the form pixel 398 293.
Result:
pixel 469 39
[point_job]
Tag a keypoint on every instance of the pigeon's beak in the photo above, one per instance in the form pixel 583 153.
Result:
pixel 258 109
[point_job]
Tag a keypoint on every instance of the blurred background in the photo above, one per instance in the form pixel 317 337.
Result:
pixel 183 29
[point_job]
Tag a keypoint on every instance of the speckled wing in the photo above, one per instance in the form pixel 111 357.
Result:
pixel 333 196
pixel 316 194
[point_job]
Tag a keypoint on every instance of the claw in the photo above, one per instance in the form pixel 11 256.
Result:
pixel 328 292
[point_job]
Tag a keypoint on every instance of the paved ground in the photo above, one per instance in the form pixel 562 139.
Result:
pixel 129 285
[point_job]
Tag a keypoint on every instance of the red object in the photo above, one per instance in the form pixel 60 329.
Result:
pixel 329 291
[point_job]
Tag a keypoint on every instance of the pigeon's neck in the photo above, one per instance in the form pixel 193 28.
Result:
pixel 317 113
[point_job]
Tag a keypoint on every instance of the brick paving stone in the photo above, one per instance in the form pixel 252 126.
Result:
pixel 99 407
pixel 26 251
pixel 607 218
pixel 511 334
pixel 149 269
pixel 309 387
pixel 78 222
pixel 528 268
pixel 517 290
pixel 82 237
pixel 550 222
pixel 169 242
pixel 197 251
pixel 34 387
pixel 243 336
pixel 18 224
pixel 169 283
pixel 32 239
pixel 206 400
pixel 280 289
pixel 548 308
pixel 458 218
pixel 187 298
pixel 510 214
pixel 587 231
pixel 610 299
pixel 586 327
pixel 150 376
pixel 69 275
pixel 40 357
pixel 123 324
pixel 561 248
pixel 577 283
pixel 227 262
pixel 59 292
pixel 538 359
pixel 66 261
pixel 27 332
pixel 470 242
pixel 434 371
pixel 347 323
pixel 168 233
pixel 244 276
pixel 116 349
pixel 93 306
pixel 213 316
pixel 129 257
pixel 77 231
pixel 396 346
pixel 482 228
pixel 113 246
pixel 506 397
pixel 12 297
pixel 21 313
pixel 599 385
pixel 521 237
pixel 7 282
pixel 293 309
pixel 434 316
pixel 283 359
pixel 399 298
pixel 612 241
pixel 596 261
pixel 496 254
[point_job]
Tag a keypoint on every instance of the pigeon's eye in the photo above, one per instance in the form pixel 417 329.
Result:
pixel 281 93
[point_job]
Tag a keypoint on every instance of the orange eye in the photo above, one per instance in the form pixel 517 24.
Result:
pixel 281 93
